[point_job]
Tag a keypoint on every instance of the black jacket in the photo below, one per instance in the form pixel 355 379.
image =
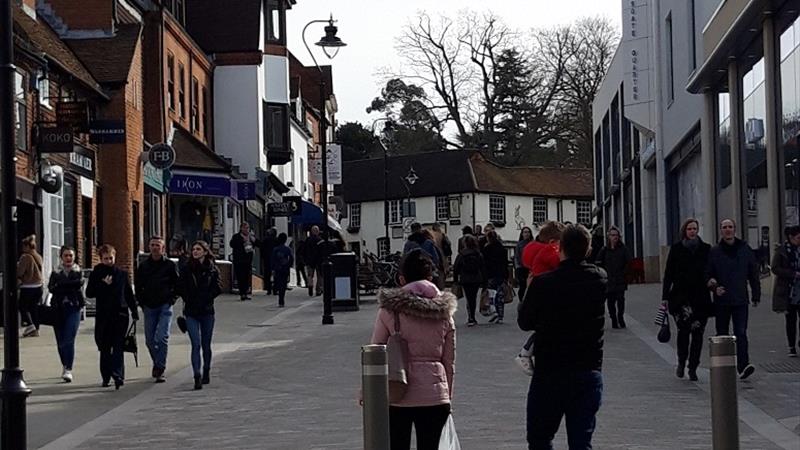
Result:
pixel 66 288
pixel 734 266
pixel 313 255
pixel 199 286
pixel 566 309
pixel 156 282
pixel 614 261
pixel 684 279
pixel 495 258
pixel 267 245
pixel 469 267
pixel 113 303
pixel 240 254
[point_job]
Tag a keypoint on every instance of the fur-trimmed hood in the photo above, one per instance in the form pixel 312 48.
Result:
pixel 440 307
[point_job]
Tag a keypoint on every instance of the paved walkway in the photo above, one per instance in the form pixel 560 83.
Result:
pixel 290 383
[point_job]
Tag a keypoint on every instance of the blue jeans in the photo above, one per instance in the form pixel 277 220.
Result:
pixel 65 332
pixel 555 394
pixel 724 314
pixel 200 330
pixel 499 297
pixel 156 332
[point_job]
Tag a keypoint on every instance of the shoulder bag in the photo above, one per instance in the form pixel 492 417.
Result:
pixel 130 345
pixel 397 353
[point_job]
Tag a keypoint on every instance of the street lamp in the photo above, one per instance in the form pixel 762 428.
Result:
pixel 14 392
pixel 385 181
pixel 330 46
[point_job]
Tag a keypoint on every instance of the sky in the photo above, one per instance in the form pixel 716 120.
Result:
pixel 369 28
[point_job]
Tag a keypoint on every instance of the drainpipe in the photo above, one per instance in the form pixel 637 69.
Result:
pixel 661 185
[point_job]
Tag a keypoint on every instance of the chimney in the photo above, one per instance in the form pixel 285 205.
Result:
pixel 86 17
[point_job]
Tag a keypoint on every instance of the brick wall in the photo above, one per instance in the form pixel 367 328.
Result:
pixel 85 14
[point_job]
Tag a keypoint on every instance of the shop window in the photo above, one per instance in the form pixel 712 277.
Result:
pixel 181 91
pixel 354 213
pixel 442 208
pixel 171 81
pixel 497 209
pixel 21 116
pixel 539 210
pixel 584 212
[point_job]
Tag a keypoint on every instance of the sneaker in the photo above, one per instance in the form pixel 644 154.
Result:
pixel 526 363
pixel 472 323
pixel 499 321
pixel 679 371
pixel 747 371
pixel 66 375
pixel 30 331
pixel 793 352
pixel 161 379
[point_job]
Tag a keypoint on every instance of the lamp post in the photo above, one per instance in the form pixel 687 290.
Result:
pixel 12 386
pixel 329 41
pixel 385 182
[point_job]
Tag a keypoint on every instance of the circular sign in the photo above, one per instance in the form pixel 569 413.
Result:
pixel 51 178
pixel 161 156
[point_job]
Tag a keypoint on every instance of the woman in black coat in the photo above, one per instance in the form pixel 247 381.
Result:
pixel 199 286
pixel 686 294
pixel 495 258
pixel 111 287
pixel 65 286
pixel 614 258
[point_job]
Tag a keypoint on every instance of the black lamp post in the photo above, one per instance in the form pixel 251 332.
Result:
pixel 13 390
pixel 330 46
pixel 385 182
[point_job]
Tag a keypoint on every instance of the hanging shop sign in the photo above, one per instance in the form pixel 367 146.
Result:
pixel 153 177
pixel 161 156
pixel 82 161
pixel 245 190
pixel 55 139
pixel 280 209
pixel 51 178
pixel 295 204
pixel 73 114
pixel 107 132
pixel 199 185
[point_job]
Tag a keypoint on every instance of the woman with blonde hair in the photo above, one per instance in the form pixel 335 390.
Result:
pixel 31 285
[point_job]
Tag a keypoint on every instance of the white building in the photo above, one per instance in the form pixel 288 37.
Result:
pixel 456 189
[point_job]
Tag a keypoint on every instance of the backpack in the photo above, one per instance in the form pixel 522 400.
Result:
pixel 471 265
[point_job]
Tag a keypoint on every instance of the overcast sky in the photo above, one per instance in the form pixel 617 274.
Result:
pixel 369 28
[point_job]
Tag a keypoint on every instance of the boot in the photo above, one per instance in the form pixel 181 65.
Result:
pixel 681 367
pixel 621 321
pixel 614 322
pixel 206 376
pixel 693 373
pixel 198 384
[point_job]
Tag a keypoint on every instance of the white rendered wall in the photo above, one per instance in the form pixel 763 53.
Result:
pixel 276 79
pixel 238 116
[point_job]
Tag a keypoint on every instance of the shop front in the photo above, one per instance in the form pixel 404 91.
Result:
pixel 153 214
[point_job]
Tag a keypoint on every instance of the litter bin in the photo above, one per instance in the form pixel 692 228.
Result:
pixel 344 281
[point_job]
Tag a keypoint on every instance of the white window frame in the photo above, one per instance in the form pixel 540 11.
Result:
pixel 497 208
pixel 442 208
pixel 53 235
pixel 752 202
pixel 395 212
pixel 43 83
pixel 541 211
pixel 384 246
pixel 354 214
pixel 154 214
pixel 583 212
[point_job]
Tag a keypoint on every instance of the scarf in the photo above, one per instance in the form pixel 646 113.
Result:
pixel 691 244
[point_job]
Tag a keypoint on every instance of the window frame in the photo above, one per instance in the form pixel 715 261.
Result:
pixel 354 215
pixel 534 206
pixel 670 59
pixel 43 86
pixel 171 81
pixel 181 91
pixel 583 207
pixel 383 245
pixel 271 131
pixel 278 6
pixel 494 215
pixel 395 212
pixel 442 206
pixel 20 111
pixel 194 113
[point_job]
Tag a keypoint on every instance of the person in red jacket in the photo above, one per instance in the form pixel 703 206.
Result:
pixel 540 256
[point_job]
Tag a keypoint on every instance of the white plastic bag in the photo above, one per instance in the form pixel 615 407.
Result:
pixel 449 438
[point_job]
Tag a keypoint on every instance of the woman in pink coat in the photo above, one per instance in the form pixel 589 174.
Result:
pixel 426 323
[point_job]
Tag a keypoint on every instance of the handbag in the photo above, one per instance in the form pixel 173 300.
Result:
pixel 664 333
pixel 661 314
pixel 129 345
pixel 448 440
pixel 397 354
pixel 508 293
pixel 486 304
pixel 48 315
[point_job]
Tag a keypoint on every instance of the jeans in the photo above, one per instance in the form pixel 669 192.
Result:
pixel 690 344
pixel 65 332
pixel 499 296
pixel 201 330
pixel 157 322
pixel 112 356
pixel 314 282
pixel 738 313
pixel 29 299
pixel 300 270
pixel 428 421
pixel 616 305
pixel 792 314
pixel 554 394
pixel 471 293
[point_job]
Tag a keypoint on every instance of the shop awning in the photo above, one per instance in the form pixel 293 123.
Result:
pixel 311 214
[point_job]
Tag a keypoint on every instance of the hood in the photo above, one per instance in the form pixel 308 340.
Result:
pixel 440 307
pixel 75 268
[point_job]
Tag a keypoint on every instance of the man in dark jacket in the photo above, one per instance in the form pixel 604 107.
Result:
pixel 313 260
pixel 156 281
pixel 565 307
pixel 243 245
pixel 731 266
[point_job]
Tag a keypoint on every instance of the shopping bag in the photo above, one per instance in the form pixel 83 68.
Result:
pixel 664 333
pixel 487 304
pixel 449 439
pixel 508 293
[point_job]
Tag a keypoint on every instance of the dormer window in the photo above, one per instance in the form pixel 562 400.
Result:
pixel 276 22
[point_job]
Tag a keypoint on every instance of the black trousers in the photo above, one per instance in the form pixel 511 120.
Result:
pixel 690 344
pixel 792 316
pixel 428 421
pixel 471 293
pixel 521 274
pixel 301 275
pixel 616 305
pixel 112 356
pixel 29 299
pixel 269 287
pixel 244 273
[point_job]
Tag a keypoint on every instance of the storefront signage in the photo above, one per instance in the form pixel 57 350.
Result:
pixel 161 156
pixel 82 161
pixel 635 50
pixel 334 163
pixel 245 190
pixel 55 139
pixel 107 132
pixel 200 185
pixel 296 204
pixel 73 114
pixel 153 177
pixel 280 209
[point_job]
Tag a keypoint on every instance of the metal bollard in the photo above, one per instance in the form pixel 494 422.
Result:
pixel 724 403
pixel 375 389
pixel 327 292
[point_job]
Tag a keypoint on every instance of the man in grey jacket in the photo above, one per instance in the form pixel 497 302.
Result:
pixel 731 266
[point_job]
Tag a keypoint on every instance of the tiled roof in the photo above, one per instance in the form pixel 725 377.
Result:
pixel 193 154
pixel 225 26
pixel 44 39
pixel 309 80
pixel 544 181
pixel 109 59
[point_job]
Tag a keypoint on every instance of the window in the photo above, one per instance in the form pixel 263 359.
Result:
pixel 584 212
pixel 70 217
pixel 442 208
pixel 539 210
pixel 171 81
pixel 354 213
pixel 43 84
pixel 395 208
pixel 383 247
pixel 276 22
pixel 670 65
pixel 497 208
pixel 137 241
pixel 21 119
pixel 55 217
pixel 276 126
pixel 178 11
pixel 204 122
pixel 181 91
pixel 195 113
pixel 752 202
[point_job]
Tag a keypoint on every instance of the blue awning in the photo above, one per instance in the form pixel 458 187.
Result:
pixel 310 214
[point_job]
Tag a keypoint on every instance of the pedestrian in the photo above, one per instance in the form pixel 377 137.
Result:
pixel 614 258
pixel 786 293
pixel 267 245
pixel 466 231
pixel 421 239
pixel 564 307
pixel 424 316
pixel 243 245
pixel 479 234
pixel 313 260
pixel 520 271
pixel 300 264
pixel 731 266
pixel 65 284
pixel 495 258
pixel 31 286
pixel 179 252
pixel 281 262
pixel 116 305
pixel 483 238
pixel 686 295
pixel 597 242
pixel 199 286
pixel 469 271
pixel 156 282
